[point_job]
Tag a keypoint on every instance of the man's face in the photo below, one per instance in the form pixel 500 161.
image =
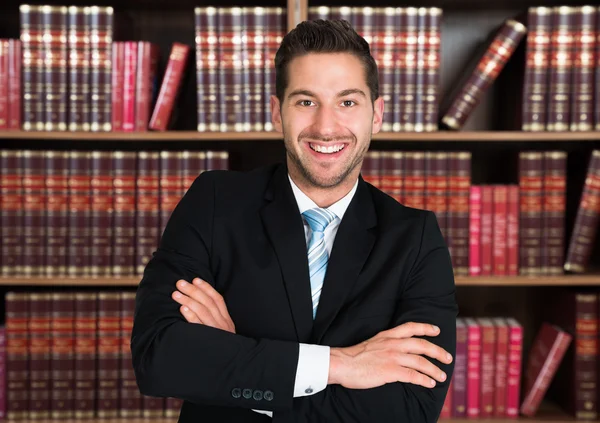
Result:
pixel 327 118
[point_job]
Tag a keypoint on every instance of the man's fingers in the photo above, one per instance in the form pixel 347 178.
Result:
pixel 424 347
pixel 407 375
pixel 411 329
pixel 214 295
pixel 422 365
pixel 189 315
pixel 198 309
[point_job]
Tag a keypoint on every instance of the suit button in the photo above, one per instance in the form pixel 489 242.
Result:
pixel 268 396
pixel 258 395
pixel 247 393
pixel 308 391
pixel 236 392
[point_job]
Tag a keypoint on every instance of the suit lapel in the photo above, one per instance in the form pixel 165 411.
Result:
pixel 285 229
pixel 351 248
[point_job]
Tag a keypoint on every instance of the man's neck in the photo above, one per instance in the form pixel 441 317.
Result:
pixel 324 197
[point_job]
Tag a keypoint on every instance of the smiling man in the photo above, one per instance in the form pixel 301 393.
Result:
pixel 298 292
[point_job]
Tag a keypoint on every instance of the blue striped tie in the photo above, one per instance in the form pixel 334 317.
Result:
pixel 318 219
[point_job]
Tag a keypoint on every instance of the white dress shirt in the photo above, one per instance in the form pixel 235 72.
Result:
pixel 313 360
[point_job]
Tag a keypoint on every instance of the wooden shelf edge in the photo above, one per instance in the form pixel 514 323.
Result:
pixel 561 280
pixel 453 136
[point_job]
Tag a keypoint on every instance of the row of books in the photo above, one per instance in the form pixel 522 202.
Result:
pixel 405 43
pixel 562 70
pixel 561 366
pixel 90 213
pixel 500 230
pixel 67 355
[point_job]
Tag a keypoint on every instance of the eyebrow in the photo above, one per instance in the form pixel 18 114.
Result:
pixel 343 93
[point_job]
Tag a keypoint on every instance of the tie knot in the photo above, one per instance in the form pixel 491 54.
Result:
pixel 318 219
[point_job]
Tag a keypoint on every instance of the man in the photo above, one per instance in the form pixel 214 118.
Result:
pixel 298 292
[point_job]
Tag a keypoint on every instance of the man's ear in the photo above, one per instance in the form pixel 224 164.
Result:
pixel 276 114
pixel 377 114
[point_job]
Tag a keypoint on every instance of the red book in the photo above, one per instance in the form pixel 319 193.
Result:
pixel 501 367
pixel 475 207
pixel 447 407
pixel 459 377
pixel 14 85
pixel 473 368
pixel 34 213
pixel 129 85
pixel 63 355
pixel 17 359
pixel 11 218
pixel 488 366
pixel 109 354
pixel 170 185
pixel 554 205
pixel 500 203
pixel 487 229
pixel 118 79
pixel 547 351
pixel 584 64
pixel 371 168
pixel 515 356
pixel 147 213
pixel 86 358
pixel 124 172
pixel 148 55
pixel 38 330
pixel 170 87
pixel 512 231
pixel 3 372
pixel 130 404
pixel 4 54
pixel 531 174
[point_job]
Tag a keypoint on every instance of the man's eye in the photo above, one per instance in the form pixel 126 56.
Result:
pixel 305 102
pixel 348 103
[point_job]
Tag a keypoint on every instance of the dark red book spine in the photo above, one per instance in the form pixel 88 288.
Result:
pixel 148 208
pixel 415 179
pixel 118 78
pixel 170 87
pixel 101 37
pixel 130 404
pixel 129 85
pixel 57 212
pixel 473 369
pixel 488 367
pixel 14 85
pixel 555 185
pixel 193 163
pixel 4 81
pixel 17 356
pixel 459 378
pixel 255 35
pixel 432 68
pixel 584 66
pixel 475 209
pixel 531 168
pixel 485 73
pixel 560 71
pixel 276 28
pixel 422 45
pixel 387 163
pixel 515 358
pixel 39 355
pixel 587 219
pixel 63 355
pixel 79 68
pixel 34 213
pixel 597 85
pixel 79 214
pixel 436 198
pixel 459 185
pixel 408 71
pixel 207 67
pixel 170 186
pixel 11 202
pixel 539 26
pixel 386 25
pixel 148 55
pixel 109 353
pixel 33 67
pixel 102 214
pixel 86 341
pixel 54 21
pixel 371 167
pixel 124 171
pixel 501 364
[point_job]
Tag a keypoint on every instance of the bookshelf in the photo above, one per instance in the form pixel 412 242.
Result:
pixel 492 134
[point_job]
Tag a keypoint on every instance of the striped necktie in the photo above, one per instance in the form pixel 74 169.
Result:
pixel 318 219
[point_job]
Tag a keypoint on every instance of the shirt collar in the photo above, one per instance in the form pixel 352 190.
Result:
pixel 305 203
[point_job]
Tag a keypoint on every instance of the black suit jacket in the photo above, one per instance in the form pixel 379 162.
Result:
pixel 243 233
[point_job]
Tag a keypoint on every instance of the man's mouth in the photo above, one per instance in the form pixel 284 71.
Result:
pixel 330 149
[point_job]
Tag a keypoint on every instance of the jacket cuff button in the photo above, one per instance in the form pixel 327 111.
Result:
pixel 236 392
pixel 268 396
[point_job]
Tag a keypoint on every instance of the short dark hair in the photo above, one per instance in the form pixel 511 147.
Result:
pixel 324 36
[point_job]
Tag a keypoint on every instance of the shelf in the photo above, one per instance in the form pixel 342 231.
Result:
pixel 562 280
pixel 440 136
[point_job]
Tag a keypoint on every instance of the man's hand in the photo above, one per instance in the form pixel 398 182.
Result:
pixel 390 356
pixel 201 303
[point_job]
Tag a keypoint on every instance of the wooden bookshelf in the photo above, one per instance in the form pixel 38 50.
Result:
pixel 439 136
pixel 483 281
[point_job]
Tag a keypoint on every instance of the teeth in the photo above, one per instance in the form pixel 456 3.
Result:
pixel 327 150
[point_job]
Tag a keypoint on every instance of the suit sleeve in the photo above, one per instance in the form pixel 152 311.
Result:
pixel 197 363
pixel 428 297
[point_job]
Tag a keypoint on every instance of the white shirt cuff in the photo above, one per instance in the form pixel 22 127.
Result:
pixel 268 413
pixel 312 371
